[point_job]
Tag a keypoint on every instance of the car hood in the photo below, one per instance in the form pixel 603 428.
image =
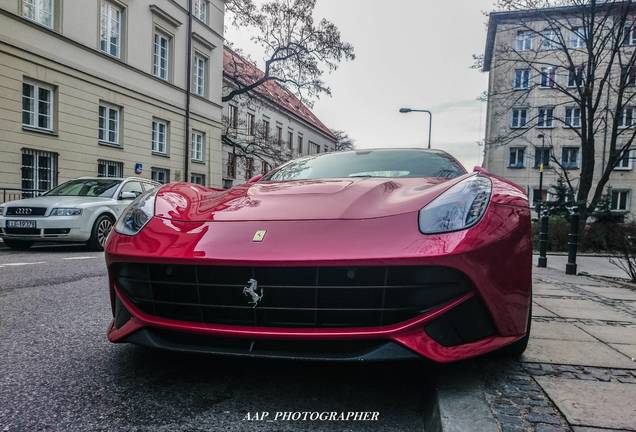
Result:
pixel 57 201
pixel 360 198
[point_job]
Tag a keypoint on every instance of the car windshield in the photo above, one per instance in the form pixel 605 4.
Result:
pixel 104 188
pixel 370 163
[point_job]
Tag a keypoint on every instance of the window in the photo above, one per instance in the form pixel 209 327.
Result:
pixel 160 175
pixel 541 156
pixel 159 136
pixel 37 106
pixel 516 159
pixel 575 76
pixel 549 39
pixel 279 135
pixel 265 168
pixel 630 35
pixel 200 9
pixel 519 117
pixel 570 157
pixel 251 125
pixel 109 124
pixel 290 140
pixel 266 129
pixel 106 168
pixel 39 170
pixel 573 117
pixel 40 11
pixel 232 116
pixel 231 165
pixel 548 77
pixel 524 41
pixel 300 144
pixel 110 28
pixel 577 37
pixel 625 163
pixel 134 187
pixel 200 72
pixel 161 56
pixel 314 148
pixel 627 116
pixel 522 79
pixel 620 200
pixel 249 168
pixel 196 149
pixel 546 117
pixel 197 179
pixel 629 74
pixel 227 183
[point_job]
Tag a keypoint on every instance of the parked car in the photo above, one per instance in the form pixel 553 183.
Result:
pixel 82 210
pixel 360 255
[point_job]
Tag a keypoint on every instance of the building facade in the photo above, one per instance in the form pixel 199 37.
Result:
pixel 265 127
pixel 530 119
pixel 99 87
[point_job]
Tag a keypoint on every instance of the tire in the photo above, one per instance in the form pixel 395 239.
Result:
pixel 18 244
pixel 99 233
pixel 517 348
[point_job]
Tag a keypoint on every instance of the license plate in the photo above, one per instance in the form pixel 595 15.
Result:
pixel 20 224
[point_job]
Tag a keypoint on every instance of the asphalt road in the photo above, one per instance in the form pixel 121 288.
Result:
pixel 58 372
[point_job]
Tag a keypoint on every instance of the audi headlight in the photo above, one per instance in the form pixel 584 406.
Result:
pixel 137 214
pixel 66 212
pixel 460 207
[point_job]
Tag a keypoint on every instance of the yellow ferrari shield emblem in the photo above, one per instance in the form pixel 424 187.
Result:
pixel 259 235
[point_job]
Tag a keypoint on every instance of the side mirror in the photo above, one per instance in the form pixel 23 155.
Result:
pixel 255 178
pixel 127 196
pixel 482 170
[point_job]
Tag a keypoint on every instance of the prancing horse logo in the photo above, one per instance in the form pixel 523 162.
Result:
pixel 252 290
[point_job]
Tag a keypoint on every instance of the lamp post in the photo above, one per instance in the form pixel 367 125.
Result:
pixel 430 123
pixel 541 167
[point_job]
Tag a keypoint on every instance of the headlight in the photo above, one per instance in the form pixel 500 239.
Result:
pixel 460 207
pixel 1 211
pixel 66 212
pixel 137 214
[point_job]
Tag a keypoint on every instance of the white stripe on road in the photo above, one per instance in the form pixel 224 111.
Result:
pixel 21 264
pixel 80 258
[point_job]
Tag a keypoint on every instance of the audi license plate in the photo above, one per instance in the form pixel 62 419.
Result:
pixel 21 224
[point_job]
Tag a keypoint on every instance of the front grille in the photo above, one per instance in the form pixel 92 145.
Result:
pixel 22 231
pixel 292 297
pixel 26 211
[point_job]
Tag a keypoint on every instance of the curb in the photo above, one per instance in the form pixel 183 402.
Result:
pixel 460 404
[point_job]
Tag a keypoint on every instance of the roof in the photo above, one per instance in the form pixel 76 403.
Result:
pixel 239 69
pixel 495 18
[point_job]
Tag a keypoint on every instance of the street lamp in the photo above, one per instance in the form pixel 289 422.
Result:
pixel 541 167
pixel 430 124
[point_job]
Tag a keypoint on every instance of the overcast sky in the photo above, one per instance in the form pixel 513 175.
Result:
pixel 414 53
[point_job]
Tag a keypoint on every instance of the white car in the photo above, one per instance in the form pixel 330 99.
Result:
pixel 82 210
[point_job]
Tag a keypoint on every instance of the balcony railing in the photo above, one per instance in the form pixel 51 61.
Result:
pixel 10 194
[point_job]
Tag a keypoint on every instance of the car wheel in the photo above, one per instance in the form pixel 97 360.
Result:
pixel 101 228
pixel 517 348
pixel 17 244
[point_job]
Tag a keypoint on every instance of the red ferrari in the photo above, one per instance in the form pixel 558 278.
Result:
pixel 361 255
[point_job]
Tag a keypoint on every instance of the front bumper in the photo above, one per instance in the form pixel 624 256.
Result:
pixel 48 228
pixel 496 259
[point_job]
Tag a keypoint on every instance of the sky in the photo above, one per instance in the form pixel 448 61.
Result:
pixel 409 53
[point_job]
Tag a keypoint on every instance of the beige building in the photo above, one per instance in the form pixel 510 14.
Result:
pixel 266 127
pixel 529 120
pixel 99 87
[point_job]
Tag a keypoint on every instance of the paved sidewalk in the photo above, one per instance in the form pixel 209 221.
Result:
pixel 596 265
pixel 579 371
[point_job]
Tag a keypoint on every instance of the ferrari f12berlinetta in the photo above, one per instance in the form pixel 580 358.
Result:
pixel 361 255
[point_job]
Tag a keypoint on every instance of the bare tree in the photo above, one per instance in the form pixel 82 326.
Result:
pixel 584 50
pixel 344 142
pixel 299 50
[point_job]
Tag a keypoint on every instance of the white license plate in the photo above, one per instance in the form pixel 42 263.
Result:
pixel 21 224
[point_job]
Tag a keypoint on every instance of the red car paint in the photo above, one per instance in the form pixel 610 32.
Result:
pixel 340 222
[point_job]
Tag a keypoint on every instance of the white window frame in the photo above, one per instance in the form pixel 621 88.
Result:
pixel 546 161
pixel 572 76
pixel 548 77
pixel 521 80
pixel 566 161
pixel 630 34
pixel 549 39
pixel 516 112
pixel 250 125
pixel 570 117
pixel 35 103
pixel 628 200
pixel 200 68
pixel 159 130
pixel 103 133
pixel 118 167
pixel 232 116
pixel 519 153
pixel 110 28
pixel 42 178
pixel 159 70
pixel 157 173
pixel 524 40
pixel 545 121
pixel 577 37
pixel 628 112
pixel 201 177
pixel 200 10
pixel 197 146
pixel 40 11
pixel 626 163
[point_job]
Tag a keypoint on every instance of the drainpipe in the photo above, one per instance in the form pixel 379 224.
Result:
pixel 186 166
